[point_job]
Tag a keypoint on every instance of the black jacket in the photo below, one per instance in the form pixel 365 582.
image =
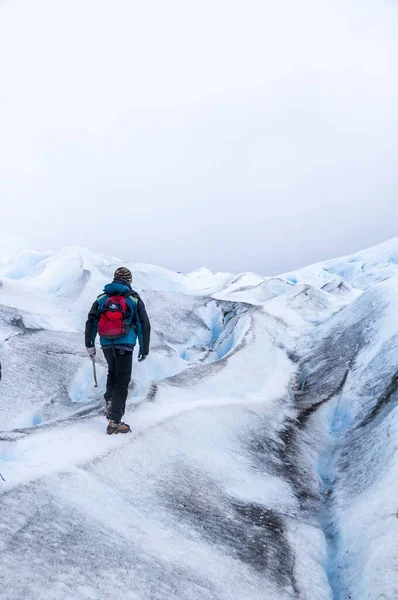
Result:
pixel 145 326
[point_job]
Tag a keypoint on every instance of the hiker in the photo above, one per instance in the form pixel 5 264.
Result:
pixel 119 317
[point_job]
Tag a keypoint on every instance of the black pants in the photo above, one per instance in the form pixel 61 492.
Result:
pixel 120 363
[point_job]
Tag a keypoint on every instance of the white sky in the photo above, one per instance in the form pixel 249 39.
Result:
pixel 234 134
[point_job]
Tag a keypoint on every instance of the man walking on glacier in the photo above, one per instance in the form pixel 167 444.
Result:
pixel 119 317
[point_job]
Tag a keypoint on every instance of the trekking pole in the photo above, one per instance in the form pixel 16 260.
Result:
pixel 94 372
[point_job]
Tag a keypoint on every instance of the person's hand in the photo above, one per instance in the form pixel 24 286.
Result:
pixel 142 357
pixel 91 351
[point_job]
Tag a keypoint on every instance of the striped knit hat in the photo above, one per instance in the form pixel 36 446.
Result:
pixel 123 274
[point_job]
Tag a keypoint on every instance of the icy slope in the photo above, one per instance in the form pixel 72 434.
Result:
pixel 263 459
pixel 360 270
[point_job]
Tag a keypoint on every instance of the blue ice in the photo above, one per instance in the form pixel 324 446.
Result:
pixel 37 419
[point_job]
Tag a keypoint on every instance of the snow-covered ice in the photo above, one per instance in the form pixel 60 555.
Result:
pixel 263 458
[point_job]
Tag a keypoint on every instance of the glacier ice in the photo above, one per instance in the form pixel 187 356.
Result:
pixel 263 460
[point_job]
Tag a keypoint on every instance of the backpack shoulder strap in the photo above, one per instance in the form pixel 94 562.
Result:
pixel 101 299
pixel 132 303
pixel 133 296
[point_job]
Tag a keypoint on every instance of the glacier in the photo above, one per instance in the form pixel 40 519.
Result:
pixel 263 458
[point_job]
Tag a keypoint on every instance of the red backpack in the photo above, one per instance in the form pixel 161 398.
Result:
pixel 113 321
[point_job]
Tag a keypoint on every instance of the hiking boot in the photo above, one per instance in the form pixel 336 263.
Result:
pixel 114 427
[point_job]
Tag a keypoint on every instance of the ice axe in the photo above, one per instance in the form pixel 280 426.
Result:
pixel 94 372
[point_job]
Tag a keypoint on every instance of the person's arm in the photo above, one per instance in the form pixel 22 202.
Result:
pixel 144 328
pixel 91 326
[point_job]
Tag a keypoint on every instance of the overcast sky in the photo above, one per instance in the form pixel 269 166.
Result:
pixel 234 134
